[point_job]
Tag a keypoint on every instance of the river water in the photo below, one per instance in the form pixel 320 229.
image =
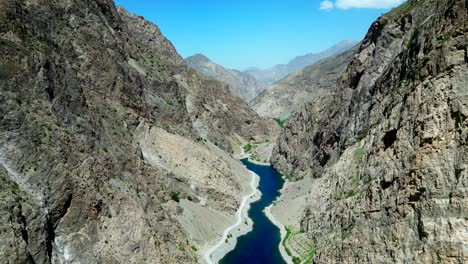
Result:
pixel 260 246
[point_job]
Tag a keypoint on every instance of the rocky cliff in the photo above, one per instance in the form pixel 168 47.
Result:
pixel 387 151
pixel 240 84
pixel 290 93
pixel 97 113
pixel 279 71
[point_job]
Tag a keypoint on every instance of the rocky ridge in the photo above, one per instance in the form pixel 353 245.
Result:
pixel 240 84
pixel 86 90
pixel 279 71
pixel 386 151
pixel 290 93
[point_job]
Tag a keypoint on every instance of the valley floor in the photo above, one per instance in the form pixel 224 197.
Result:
pixel 242 226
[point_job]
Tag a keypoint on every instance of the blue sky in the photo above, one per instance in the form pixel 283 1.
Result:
pixel 243 33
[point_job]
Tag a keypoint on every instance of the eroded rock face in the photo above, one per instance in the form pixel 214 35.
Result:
pixel 388 149
pixel 240 84
pixel 76 80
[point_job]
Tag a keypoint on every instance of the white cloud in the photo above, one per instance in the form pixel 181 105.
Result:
pixel 326 5
pixel 347 4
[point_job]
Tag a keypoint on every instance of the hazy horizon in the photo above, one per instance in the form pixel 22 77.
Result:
pixel 244 34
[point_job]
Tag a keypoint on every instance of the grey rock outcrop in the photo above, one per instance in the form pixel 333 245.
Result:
pixel 240 84
pixel 388 149
pixel 77 78
pixel 279 71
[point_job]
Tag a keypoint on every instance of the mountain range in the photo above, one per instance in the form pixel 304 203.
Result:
pixel 285 96
pixel 114 150
pixel 240 84
pixel 277 72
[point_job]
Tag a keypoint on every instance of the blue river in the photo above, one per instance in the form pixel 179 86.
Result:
pixel 260 246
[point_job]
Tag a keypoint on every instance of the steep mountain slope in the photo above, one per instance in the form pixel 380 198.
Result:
pixel 387 151
pixel 240 84
pixel 277 72
pixel 288 94
pixel 103 131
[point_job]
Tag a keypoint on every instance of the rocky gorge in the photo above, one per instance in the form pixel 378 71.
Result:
pixel 114 150
pixel 379 167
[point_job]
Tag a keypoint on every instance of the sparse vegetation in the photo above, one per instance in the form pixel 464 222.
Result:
pixel 181 247
pixel 289 175
pixel 175 196
pixel 296 260
pixel 347 230
pixel 142 260
pixel 311 255
pixel 352 191
pixel 169 102
pixel 401 10
pixel 288 234
pixel 248 147
pixel 359 153
pixel 280 122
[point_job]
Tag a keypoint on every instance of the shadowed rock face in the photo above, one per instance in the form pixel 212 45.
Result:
pixel 77 78
pixel 240 84
pixel 388 148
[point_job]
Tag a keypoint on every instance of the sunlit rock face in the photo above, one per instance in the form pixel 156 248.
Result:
pixel 388 148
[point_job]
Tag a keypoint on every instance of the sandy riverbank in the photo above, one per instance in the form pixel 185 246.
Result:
pixel 239 228
pixel 212 253
pixel 270 216
pixel 287 210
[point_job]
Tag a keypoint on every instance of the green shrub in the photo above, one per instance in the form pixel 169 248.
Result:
pixel 248 147
pixel 280 122
pixel 175 196
pixel 296 260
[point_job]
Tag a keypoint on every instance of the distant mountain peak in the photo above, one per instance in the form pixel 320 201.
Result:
pixel 240 84
pixel 279 71
pixel 198 57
